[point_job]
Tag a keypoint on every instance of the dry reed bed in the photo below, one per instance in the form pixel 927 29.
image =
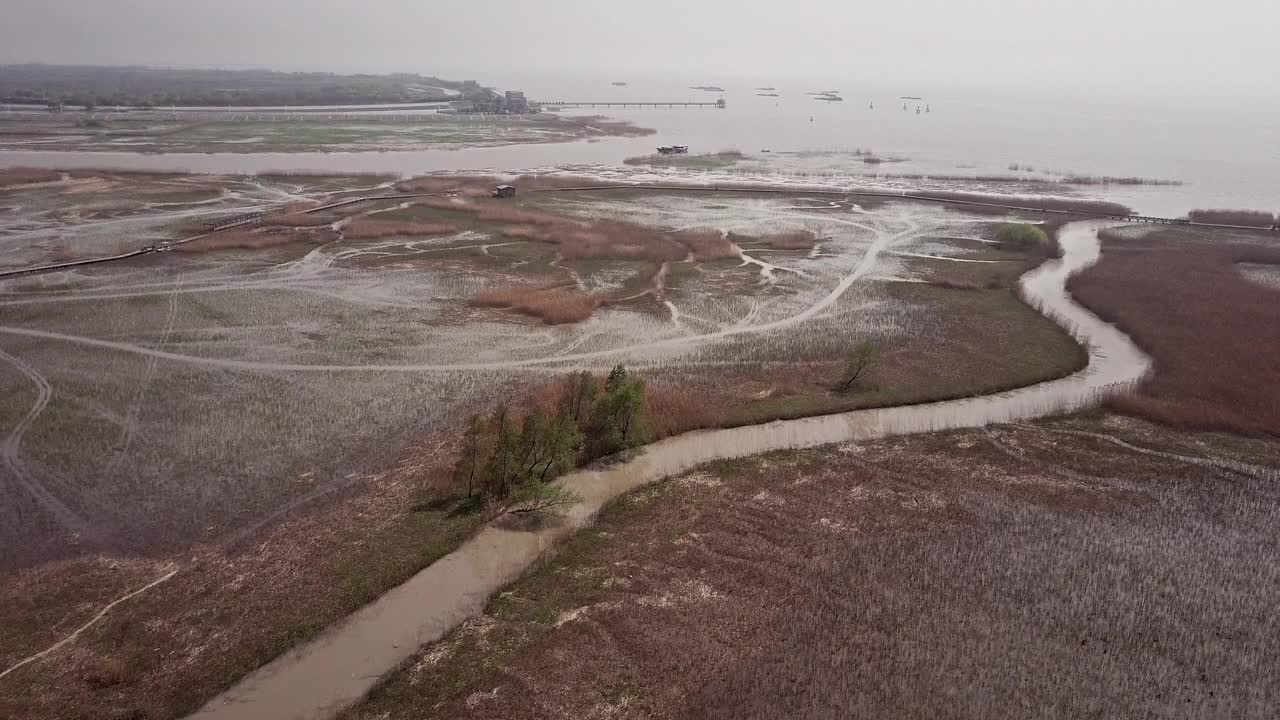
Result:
pixel 960 574
pixel 1066 180
pixel 365 228
pixel 482 185
pixel 1214 335
pixel 239 239
pixel 296 219
pixel 797 240
pixel 11 177
pixel 1088 207
pixel 577 239
pixel 708 160
pixel 556 304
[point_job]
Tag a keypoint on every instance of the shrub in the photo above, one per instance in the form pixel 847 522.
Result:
pixel 1024 237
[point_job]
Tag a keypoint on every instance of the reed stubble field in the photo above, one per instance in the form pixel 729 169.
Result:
pixel 1096 566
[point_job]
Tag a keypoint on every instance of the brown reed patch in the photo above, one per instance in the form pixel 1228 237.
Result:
pixel 241 239
pixel 1213 333
pixel 11 177
pixel 707 244
pixel 296 219
pixel 365 228
pixel 795 240
pixel 526 232
pixel 554 304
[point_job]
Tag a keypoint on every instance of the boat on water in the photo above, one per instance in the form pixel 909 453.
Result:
pixel 673 150
pixel 618 83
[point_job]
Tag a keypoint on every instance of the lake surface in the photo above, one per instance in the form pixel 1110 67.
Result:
pixel 1227 154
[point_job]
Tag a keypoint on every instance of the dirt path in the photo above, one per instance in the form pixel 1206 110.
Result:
pixel 319 678
pixel 101 614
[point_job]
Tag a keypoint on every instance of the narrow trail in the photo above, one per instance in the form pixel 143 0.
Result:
pixel 323 676
pixel 1261 472
pixel 101 614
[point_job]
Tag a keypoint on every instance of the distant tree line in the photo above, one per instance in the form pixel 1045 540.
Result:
pixel 508 465
pixel 1247 218
pixel 141 87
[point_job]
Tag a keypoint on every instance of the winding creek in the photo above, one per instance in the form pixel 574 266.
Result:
pixel 321 677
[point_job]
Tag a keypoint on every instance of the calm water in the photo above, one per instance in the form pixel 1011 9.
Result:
pixel 1227 154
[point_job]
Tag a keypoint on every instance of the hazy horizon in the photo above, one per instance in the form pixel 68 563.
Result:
pixel 1096 47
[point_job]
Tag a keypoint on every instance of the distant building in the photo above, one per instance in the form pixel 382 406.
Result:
pixel 512 102
pixel 504 191
pixel 517 103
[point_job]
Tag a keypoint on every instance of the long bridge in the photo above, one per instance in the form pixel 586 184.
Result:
pixel 634 104
pixel 250 218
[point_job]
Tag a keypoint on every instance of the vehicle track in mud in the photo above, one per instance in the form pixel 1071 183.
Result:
pixel 129 423
pixel 11 455
pixel 315 262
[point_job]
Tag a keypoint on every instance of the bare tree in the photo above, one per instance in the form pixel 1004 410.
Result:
pixel 864 356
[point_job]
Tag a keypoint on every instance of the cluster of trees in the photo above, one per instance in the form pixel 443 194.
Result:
pixel 508 465
pixel 142 87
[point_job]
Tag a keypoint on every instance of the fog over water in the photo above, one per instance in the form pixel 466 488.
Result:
pixel 1118 45
pixel 1177 91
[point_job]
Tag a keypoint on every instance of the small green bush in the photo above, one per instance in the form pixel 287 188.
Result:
pixel 1024 237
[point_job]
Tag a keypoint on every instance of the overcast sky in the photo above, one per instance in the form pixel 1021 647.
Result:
pixel 1189 45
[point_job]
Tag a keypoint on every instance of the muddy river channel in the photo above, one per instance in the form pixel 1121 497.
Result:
pixel 323 676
